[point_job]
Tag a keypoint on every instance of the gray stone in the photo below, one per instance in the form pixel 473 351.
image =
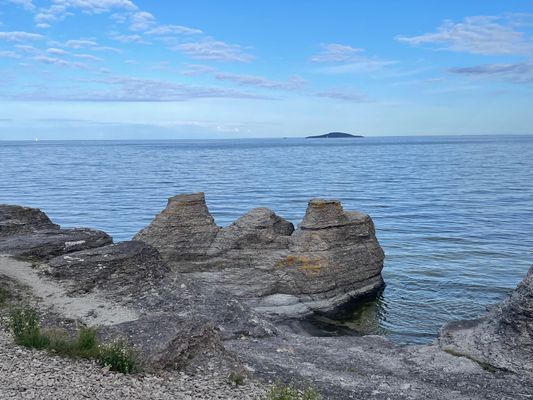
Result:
pixel 122 268
pixel 45 244
pixel 184 230
pixel 333 258
pixel 16 220
pixel 502 339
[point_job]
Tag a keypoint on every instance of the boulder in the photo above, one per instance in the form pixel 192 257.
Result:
pixel 17 220
pixel 503 338
pixel 28 233
pixel 261 259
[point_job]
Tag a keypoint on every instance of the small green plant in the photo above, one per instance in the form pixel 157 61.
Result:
pixel 24 324
pixel 288 392
pixel 26 329
pixel 236 378
pixel 118 357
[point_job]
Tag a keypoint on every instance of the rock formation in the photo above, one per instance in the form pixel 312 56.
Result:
pixel 181 310
pixel 332 258
pixel 502 339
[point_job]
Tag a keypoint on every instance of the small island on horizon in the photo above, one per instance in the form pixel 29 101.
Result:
pixel 334 135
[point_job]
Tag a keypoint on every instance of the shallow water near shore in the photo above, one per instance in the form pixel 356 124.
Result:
pixel 453 214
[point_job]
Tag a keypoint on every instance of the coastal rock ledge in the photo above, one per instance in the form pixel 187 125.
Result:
pixel 332 258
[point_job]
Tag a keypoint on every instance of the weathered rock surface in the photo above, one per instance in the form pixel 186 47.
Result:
pixel 371 367
pixel 121 268
pixel 332 258
pixel 28 233
pixel 16 220
pixel 503 338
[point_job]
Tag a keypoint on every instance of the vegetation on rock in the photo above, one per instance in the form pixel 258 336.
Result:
pixel 26 329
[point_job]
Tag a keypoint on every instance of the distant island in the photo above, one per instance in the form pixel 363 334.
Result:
pixel 334 135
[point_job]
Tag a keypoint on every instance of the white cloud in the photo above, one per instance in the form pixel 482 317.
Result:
pixel 345 95
pixel 514 73
pixel 485 35
pixel 141 21
pixel 173 29
pixel 60 62
pixel 97 6
pixel 127 89
pixel 294 83
pixel 129 39
pixel 8 54
pixel 215 50
pixel 57 52
pixel 343 59
pixel 335 52
pixel 88 57
pixel 19 36
pixel 79 44
pixel 26 4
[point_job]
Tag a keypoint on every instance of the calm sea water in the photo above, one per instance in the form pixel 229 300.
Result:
pixel 453 214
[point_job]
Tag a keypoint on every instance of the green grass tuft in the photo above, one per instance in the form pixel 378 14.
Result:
pixel 24 324
pixel 284 392
pixel 118 357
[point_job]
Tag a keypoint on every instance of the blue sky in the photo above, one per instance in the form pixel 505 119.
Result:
pixel 115 69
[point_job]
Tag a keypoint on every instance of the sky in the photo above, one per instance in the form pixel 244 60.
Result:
pixel 195 69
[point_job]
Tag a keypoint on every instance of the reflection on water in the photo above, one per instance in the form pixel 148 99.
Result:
pixel 359 317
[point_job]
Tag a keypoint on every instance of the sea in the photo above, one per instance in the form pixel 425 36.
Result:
pixel 454 214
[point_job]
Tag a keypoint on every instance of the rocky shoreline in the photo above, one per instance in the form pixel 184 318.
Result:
pixel 190 296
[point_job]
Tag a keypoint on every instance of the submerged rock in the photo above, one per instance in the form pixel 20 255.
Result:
pixel 332 258
pixel 502 339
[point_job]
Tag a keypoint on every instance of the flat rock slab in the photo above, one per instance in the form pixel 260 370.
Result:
pixel 46 244
pixel 371 367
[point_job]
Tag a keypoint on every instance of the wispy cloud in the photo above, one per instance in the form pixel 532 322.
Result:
pixel 343 58
pixel 293 83
pixel 346 95
pixel 214 50
pixel 88 57
pixel 173 29
pixel 26 4
pixel 141 21
pixel 484 35
pixel 60 9
pixel 514 73
pixel 89 44
pixel 19 36
pixel 129 38
pixel 335 52
pixel 80 44
pixel 57 52
pixel 127 89
pixel 97 6
pixel 59 61
pixel 8 54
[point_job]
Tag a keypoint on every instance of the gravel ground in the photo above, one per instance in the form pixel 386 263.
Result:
pixel 31 374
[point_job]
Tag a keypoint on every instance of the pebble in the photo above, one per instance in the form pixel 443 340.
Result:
pixel 32 374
